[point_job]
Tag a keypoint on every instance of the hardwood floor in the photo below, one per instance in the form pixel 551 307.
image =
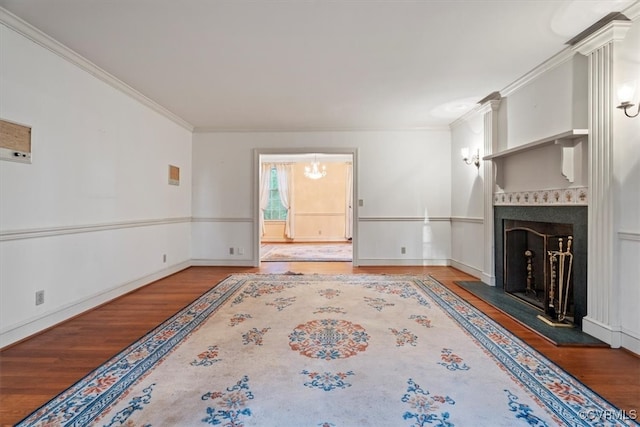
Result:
pixel 36 370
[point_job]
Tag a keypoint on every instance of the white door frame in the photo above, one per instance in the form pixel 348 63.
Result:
pixel 255 195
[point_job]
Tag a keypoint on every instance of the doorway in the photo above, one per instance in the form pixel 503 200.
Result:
pixel 315 219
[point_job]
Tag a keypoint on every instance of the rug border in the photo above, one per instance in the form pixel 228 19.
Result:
pixel 128 348
pixel 531 349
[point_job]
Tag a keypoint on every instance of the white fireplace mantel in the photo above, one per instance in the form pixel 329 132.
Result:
pixel 568 138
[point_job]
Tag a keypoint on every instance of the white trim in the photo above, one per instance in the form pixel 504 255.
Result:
pixel 209 129
pixel 632 236
pixel 467 219
pixel 404 219
pixel 255 179
pixel 477 109
pixel 601 331
pixel 34 325
pixel 409 262
pixel 613 31
pixel 220 219
pixel 466 268
pixel 206 262
pixel 551 63
pixel 32 33
pixel 573 134
pixel 488 279
pixel 633 11
pixel 89 228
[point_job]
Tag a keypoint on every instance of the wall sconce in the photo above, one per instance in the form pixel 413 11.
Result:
pixel 625 95
pixel 475 159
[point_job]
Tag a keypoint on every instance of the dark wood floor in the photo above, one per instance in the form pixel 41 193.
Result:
pixel 35 370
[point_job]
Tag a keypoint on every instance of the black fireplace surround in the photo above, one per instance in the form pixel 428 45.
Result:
pixel 573 215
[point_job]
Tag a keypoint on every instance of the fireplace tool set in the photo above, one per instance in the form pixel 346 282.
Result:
pixel 560 263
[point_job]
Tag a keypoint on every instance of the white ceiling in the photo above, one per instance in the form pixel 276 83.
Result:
pixel 315 64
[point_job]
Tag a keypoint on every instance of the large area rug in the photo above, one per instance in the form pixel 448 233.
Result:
pixel 289 252
pixel 315 350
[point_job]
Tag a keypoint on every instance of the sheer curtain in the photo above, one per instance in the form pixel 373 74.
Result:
pixel 265 185
pixel 348 230
pixel 285 187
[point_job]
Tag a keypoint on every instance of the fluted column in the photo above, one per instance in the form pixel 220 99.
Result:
pixel 603 319
pixel 490 111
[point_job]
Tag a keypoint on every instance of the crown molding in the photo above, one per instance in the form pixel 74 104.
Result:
pixel 613 31
pixel 481 108
pixel 206 129
pixel 633 11
pixel 35 35
pixel 558 59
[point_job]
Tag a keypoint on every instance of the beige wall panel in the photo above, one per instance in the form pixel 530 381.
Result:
pixel 274 232
pixel 319 207
pixel 320 227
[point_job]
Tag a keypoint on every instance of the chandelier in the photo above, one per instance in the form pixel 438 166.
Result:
pixel 314 170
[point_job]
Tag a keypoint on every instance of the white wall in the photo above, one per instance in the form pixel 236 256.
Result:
pixel 553 102
pixel 467 197
pixel 401 180
pixel 93 215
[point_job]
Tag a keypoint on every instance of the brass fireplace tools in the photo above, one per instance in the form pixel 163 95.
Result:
pixel 560 263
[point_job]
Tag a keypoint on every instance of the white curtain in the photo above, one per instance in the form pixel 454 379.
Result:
pixel 265 186
pixel 348 233
pixel 285 187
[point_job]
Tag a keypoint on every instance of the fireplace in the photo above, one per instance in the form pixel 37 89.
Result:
pixel 524 235
pixel 538 267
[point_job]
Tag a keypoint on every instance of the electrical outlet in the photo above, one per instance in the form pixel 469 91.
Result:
pixel 164 257
pixel 39 297
pixel 231 250
pixel 403 250
pixel 240 251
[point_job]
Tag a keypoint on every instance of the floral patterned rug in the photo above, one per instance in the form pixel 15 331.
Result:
pixel 288 252
pixel 317 350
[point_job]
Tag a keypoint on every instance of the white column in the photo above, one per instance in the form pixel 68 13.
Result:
pixel 602 319
pixel 490 110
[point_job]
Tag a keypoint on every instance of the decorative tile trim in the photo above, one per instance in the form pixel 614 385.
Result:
pixel 575 196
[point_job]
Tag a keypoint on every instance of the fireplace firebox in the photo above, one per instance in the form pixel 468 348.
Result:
pixel 538 266
pixel 562 222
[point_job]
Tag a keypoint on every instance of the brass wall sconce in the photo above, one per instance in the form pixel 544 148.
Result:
pixel 625 95
pixel 473 159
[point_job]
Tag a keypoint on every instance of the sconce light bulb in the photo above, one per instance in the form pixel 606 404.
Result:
pixel 626 91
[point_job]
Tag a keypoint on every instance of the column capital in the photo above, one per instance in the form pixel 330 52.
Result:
pixel 613 31
pixel 488 106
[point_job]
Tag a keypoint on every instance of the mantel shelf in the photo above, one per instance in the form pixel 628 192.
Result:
pixel 561 138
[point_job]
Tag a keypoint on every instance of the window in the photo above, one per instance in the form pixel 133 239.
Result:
pixel 275 211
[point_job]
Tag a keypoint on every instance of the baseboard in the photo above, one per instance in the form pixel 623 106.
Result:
pixel 616 338
pixel 488 279
pixel 466 268
pixel 47 320
pixel 407 262
pixel 205 262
